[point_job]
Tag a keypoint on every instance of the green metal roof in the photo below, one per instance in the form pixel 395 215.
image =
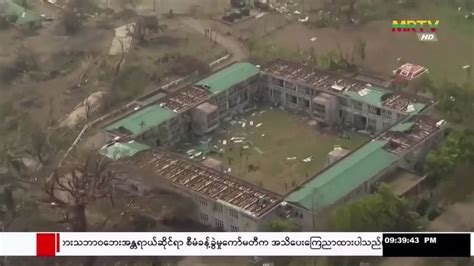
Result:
pixel 372 97
pixel 417 107
pixel 402 127
pixel 229 76
pixel 143 120
pixel 123 150
pixel 344 176
pixel 17 13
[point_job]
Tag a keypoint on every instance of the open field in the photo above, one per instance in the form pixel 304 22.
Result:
pixel 280 136
pixel 444 58
pixel 204 7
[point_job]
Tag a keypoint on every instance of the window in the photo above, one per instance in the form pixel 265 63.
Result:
pixel 344 102
pixel 358 105
pixel 372 124
pixel 278 82
pixel 319 110
pixel 290 86
pixel 234 214
pixel 374 110
pixel 204 217
pixel 305 103
pixel 218 207
pixel 234 228
pixel 305 90
pixel 387 114
pixel 203 202
pixel 219 224
pixel 291 99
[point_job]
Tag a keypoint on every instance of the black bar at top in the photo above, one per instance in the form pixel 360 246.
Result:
pixel 426 245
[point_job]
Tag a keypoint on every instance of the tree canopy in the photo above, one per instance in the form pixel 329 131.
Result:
pixel 282 225
pixel 457 149
pixel 382 211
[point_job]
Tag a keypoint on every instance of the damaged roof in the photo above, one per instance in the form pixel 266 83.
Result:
pixel 121 150
pixel 18 14
pixel 155 165
pixel 350 87
pixel 141 121
pixel 229 77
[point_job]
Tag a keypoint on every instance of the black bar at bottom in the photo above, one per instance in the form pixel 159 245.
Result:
pixel 426 245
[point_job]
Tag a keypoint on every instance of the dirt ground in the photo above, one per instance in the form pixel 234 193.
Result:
pixel 444 58
pixel 62 60
pixel 280 136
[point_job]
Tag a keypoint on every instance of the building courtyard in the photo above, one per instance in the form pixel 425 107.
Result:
pixel 275 149
pixel 249 144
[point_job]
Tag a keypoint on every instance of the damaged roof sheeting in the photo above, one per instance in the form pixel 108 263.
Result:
pixel 344 176
pixel 121 150
pixel 204 181
pixel 410 132
pixel 141 121
pixel 19 15
pixel 229 77
pixel 185 99
pixel 352 88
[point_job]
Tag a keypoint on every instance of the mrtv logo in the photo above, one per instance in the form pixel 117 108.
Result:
pixel 424 29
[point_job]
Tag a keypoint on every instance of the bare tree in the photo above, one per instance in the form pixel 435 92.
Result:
pixel 77 187
pixel 146 24
pixel 122 56
pixel 38 143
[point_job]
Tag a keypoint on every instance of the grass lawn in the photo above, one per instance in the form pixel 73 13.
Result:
pixel 280 136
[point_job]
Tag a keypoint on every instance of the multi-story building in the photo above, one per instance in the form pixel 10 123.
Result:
pixel 221 201
pixel 404 135
pixel 399 149
pixel 338 99
pixel 166 118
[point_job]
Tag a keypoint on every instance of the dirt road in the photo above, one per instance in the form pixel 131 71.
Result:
pixel 232 45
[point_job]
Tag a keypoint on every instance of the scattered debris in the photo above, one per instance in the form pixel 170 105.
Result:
pixel 303 20
pixel 312 123
pixel 313 39
pixel 263 135
pixel 259 151
pixel 308 159
pixel 253 114
pixel 259 124
pixel 259 15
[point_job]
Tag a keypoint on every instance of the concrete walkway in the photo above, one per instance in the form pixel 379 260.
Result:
pixel 232 45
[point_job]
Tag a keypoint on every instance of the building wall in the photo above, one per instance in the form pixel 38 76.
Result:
pixel 376 119
pixel 236 98
pixel 411 159
pixel 304 217
pixel 339 109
